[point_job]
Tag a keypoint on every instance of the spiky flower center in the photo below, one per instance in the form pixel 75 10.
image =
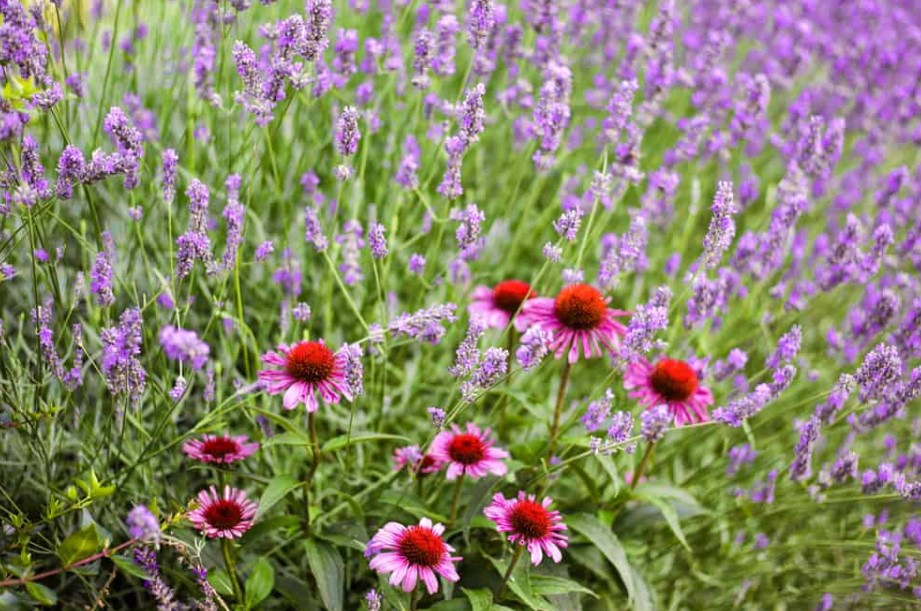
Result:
pixel 424 463
pixel 421 546
pixel 674 380
pixel 223 514
pixel 530 519
pixel 219 447
pixel 580 307
pixel 509 295
pixel 310 362
pixel 467 449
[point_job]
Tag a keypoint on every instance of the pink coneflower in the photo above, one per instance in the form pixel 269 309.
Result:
pixel 411 553
pixel 307 368
pixel 220 449
pixel 469 453
pixel 227 516
pixel 423 464
pixel 496 306
pixel 670 382
pixel 530 524
pixel 578 316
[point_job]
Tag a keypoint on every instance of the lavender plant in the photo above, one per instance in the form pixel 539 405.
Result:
pixel 439 304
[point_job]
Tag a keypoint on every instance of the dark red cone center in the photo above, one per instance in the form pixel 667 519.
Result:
pixel 223 514
pixel 220 447
pixel 426 462
pixel 509 295
pixel 310 362
pixel 674 380
pixel 530 519
pixel 466 449
pixel 421 546
pixel 580 307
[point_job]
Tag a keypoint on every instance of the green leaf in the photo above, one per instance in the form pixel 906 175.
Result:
pixel 287 439
pixel 260 582
pixel 607 542
pixel 220 581
pixel 480 600
pixel 520 584
pixel 551 584
pixel 41 594
pixel 326 566
pixel 607 463
pixel 79 545
pixel 670 515
pixel 277 489
pixel 665 491
pixel 343 440
pixel 129 567
pixel 643 600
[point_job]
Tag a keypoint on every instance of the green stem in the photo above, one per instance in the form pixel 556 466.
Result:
pixel 516 556
pixel 557 412
pixel 414 599
pixel 644 462
pixel 227 549
pixel 308 481
pixel 457 489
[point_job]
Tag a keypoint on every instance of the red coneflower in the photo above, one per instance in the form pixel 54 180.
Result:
pixel 307 368
pixel 669 382
pixel 530 524
pixel 579 317
pixel 413 553
pixel 496 306
pixel 220 449
pixel 227 516
pixel 469 453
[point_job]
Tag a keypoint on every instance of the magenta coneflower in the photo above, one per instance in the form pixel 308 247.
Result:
pixel 496 306
pixel 469 453
pixel 529 523
pixel 669 382
pixel 578 316
pixel 307 368
pixel 227 516
pixel 411 553
pixel 423 464
pixel 220 449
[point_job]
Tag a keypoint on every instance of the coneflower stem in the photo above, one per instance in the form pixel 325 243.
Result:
pixel 516 556
pixel 644 462
pixel 317 457
pixel 557 412
pixel 231 568
pixel 457 489
pixel 414 599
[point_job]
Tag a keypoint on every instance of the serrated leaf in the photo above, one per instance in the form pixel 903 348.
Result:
pixel 341 441
pixel 607 542
pixel 551 584
pixel 79 545
pixel 326 566
pixel 277 489
pixel 41 594
pixel 260 582
pixel 129 567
